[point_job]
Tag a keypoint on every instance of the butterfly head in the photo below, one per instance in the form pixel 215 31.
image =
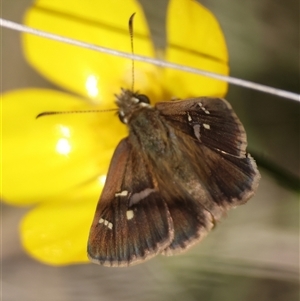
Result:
pixel 129 102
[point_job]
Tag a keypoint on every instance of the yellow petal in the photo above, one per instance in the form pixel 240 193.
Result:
pixel 195 39
pixel 58 156
pixel 61 160
pixel 57 233
pixel 89 73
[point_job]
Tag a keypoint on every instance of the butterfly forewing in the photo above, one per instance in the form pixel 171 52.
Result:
pixel 210 121
pixel 132 222
pixel 213 140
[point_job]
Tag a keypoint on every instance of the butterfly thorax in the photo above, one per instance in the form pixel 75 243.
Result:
pixel 147 129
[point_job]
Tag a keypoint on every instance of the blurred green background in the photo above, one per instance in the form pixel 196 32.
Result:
pixel 251 255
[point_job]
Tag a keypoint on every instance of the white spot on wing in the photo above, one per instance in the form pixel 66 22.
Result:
pixel 110 225
pixel 206 126
pixel 106 223
pixel 137 197
pixel 129 214
pixel 196 128
pixel 122 193
pixel 189 117
pixel 202 108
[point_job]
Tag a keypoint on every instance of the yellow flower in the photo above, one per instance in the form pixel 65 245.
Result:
pixel 59 162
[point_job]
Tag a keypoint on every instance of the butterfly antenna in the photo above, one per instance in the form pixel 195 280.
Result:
pixel 132 49
pixel 71 112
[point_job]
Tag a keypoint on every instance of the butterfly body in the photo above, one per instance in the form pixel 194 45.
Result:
pixel 182 166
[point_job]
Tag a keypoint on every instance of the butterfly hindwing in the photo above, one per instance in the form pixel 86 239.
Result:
pixel 191 223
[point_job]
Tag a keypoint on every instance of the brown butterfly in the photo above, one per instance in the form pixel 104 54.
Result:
pixel 182 166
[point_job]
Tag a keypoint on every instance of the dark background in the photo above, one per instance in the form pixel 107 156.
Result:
pixel 251 255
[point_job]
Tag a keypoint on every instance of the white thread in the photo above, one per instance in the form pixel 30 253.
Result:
pixel 160 63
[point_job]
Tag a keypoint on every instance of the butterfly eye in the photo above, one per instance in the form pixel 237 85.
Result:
pixel 143 98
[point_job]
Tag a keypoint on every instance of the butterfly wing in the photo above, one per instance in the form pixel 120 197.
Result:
pixel 191 222
pixel 132 222
pixel 212 142
pixel 209 121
